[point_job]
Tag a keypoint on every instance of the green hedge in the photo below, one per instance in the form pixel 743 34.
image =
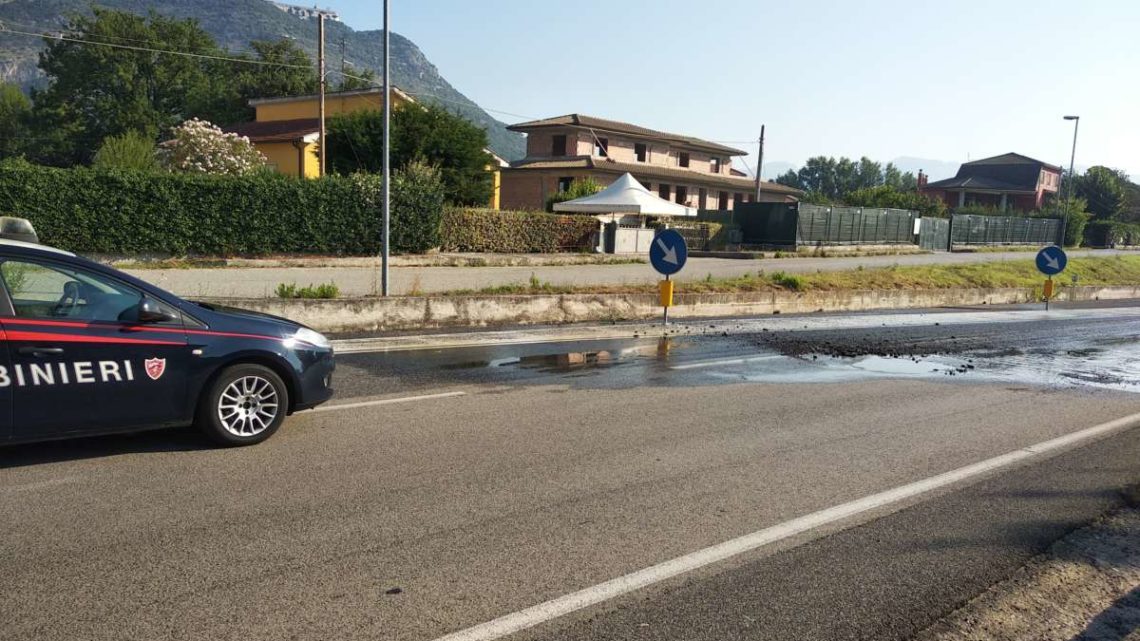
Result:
pixel 111 212
pixel 1107 233
pixel 487 230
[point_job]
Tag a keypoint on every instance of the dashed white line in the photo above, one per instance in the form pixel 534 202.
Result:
pixel 388 401
pixel 543 612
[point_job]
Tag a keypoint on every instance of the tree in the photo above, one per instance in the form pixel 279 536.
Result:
pixel 790 179
pixel 200 147
pixel 885 196
pixel 427 133
pixel 96 92
pixel 283 69
pixel 14 110
pixel 1103 189
pixel 131 151
pixel 578 188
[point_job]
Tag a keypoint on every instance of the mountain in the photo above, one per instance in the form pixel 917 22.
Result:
pixel 233 24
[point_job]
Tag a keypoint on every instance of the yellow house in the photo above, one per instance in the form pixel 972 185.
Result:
pixel 286 130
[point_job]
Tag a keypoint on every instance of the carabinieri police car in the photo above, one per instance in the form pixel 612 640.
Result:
pixel 91 350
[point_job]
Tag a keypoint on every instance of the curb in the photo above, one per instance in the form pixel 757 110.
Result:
pixel 348 315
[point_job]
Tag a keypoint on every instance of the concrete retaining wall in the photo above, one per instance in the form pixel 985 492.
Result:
pixel 398 313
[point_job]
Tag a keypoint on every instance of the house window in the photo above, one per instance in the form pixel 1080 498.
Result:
pixel 682 194
pixel 602 147
pixel 722 201
pixel 683 160
pixel 737 198
pixel 663 191
pixel 641 152
pixel 714 165
pixel 564 183
pixel 558 146
pixel 645 183
pixel 703 198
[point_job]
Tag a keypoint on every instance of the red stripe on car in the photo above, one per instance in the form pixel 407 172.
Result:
pixel 48 337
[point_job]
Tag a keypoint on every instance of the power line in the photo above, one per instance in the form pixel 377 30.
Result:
pixel 203 56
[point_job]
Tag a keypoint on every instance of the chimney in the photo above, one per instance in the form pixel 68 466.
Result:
pixel 922 179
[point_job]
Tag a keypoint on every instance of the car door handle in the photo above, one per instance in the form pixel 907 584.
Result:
pixel 41 351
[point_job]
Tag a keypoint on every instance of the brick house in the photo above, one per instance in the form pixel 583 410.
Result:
pixel 1009 181
pixel 686 170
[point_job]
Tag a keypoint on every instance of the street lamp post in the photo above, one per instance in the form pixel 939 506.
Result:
pixel 1073 158
pixel 386 196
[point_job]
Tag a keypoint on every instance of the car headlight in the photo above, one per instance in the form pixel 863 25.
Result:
pixel 309 337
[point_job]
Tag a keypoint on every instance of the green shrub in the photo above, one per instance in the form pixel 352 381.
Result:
pixel 291 290
pixel 1108 233
pixel 416 205
pixel 788 281
pixel 98 212
pixel 131 151
pixel 488 230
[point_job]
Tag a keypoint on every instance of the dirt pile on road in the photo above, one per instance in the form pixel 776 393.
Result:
pixel 903 342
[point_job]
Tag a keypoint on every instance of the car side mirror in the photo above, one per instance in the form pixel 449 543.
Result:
pixel 152 312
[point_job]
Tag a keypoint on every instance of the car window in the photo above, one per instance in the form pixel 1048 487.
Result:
pixel 41 290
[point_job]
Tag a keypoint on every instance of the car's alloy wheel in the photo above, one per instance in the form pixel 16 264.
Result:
pixel 248 406
pixel 244 405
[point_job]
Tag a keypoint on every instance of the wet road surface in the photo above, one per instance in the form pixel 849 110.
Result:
pixel 448 488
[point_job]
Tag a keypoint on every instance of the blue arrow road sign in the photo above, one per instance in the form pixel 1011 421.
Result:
pixel 668 252
pixel 1051 260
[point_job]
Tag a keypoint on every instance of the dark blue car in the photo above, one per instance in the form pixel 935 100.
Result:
pixel 91 350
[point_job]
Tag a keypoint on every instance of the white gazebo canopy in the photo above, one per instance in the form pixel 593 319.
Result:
pixel 625 196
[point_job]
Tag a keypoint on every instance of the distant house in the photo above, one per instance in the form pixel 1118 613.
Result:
pixel 1009 181
pixel 286 130
pixel 686 170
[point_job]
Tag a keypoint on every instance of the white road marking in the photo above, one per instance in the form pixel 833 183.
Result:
pixel 726 361
pixel 543 612
pixel 388 401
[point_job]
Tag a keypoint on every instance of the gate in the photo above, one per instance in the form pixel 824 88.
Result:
pixel 934 234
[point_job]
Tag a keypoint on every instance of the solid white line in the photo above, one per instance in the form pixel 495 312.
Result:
pixel 388 401
pixel 532 616
pixel 725 361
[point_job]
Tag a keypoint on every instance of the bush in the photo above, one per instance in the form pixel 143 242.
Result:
pixel 131 151
pixel 202 148
pixel 92 211
pixel 788 281
pixel 416 205
pixel 328 290
pixel 887 197
pixel 487 230
pixel 1109 233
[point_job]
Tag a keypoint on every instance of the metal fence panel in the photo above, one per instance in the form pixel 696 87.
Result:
pixel 971 229
pixel 817 224
pixel 934 234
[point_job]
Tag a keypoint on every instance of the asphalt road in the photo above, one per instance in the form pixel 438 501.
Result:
pixel 564 466
pixel 256 282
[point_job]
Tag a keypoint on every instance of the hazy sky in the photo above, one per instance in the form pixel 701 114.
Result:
pixel 950 80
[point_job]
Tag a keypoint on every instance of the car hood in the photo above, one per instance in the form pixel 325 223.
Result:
pixel 248 320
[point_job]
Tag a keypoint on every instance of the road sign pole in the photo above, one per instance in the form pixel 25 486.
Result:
pixel 666 292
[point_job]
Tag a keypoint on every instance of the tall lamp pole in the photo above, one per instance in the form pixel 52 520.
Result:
pixel 386 190
pixel 1073 158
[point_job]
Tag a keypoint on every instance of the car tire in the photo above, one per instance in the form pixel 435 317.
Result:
pixel 244 405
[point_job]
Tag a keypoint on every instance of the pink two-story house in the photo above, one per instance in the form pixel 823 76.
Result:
pixel 686 170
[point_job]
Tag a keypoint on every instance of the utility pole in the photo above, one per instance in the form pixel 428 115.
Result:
pixel 321 147
pixel 759 163
pixel 386 191
pixel 1073 158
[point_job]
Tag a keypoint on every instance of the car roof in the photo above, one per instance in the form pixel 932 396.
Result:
pixel 8 242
